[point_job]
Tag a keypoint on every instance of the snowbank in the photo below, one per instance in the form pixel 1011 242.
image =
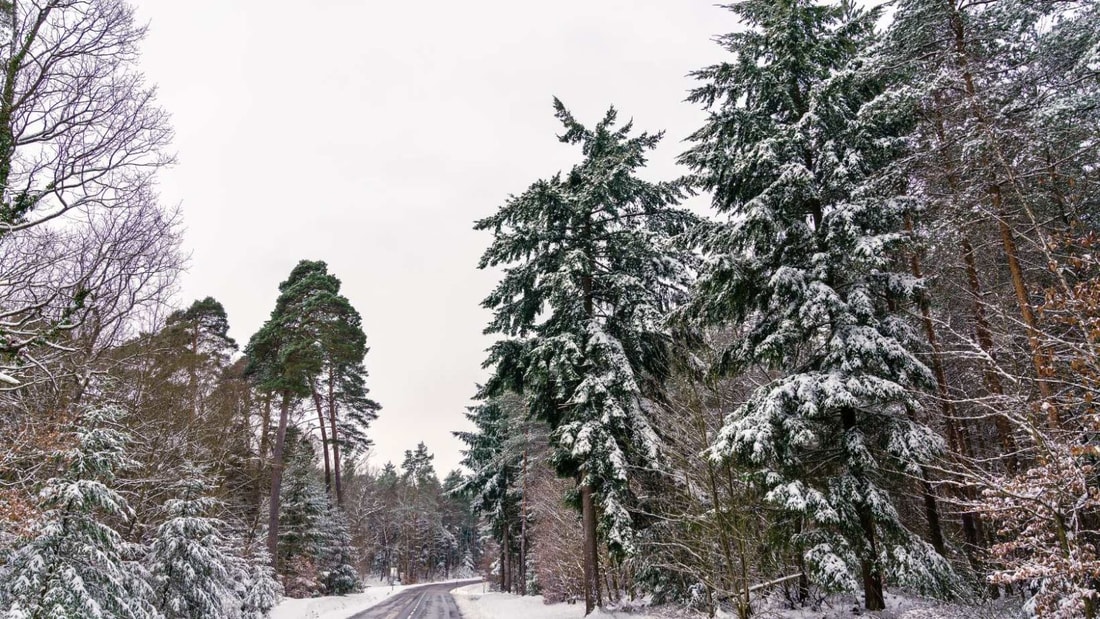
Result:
pixel 334 607
pixel 342 606
pixel 477 602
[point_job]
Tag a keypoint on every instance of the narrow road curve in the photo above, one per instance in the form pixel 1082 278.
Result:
pixel 426 602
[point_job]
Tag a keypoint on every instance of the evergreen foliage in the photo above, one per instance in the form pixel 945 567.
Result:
pixel 193 565
pixel 798 151
pixel 589 271
pixel 313 534
pixel 741 408
pixel 258 587
pixel 77 565
pixel 493 485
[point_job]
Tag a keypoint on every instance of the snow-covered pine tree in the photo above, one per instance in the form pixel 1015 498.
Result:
pixel 303 507
pixel 193 564
pixel 493 484
pixel 460 523
pixel 589 273
pixel 797 152
pixel 77 566
pixel 258 587
pixel 313 535
pixel 338 574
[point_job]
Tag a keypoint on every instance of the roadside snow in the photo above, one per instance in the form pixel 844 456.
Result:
pixel 477 602
pixel 341 606
pixel 334 607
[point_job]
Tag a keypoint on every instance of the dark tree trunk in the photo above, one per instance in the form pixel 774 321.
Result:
pixel 872 578
pixel 277 480
pixel 505 568
pixel 523 524
pixel 592 598
pixel 335 437
pixel 932 515
pixel 588 503
pixel 265 431
pixel 324 437
pixel 868 557
pixel 985 341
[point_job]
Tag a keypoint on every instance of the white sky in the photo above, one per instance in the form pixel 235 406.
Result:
pixel 372 134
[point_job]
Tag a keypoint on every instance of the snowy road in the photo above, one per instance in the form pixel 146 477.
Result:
pixel 427 602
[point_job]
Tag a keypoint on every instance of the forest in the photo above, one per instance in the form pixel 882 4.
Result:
pixel 870 366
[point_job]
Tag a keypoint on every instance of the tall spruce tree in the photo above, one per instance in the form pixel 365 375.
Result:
pixel 797 151
pixel 589 272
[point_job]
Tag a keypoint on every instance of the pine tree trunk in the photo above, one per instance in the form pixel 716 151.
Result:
pixel 591 557
pixel 932 514
pixel 588 503
pixel 871 573
pixel 803 581
pixel 523 523
pixel 505 568
pixel 265 430
pixel 324 436
pixel 997 202
pixel 335 437
pixel 985 342
pixel 277 480
pixel 1023 300
pixel 872 578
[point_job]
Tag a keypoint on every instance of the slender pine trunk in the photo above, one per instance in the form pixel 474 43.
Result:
pixel 523 522
pixel 335 437
pixel 996 198
pixel 324 436
pixel 277 480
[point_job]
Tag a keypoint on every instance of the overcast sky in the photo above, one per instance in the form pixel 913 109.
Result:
pixel 372 134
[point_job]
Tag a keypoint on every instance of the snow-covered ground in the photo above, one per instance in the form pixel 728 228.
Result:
pixel 334 607
pixel 477 602
pixel 338 606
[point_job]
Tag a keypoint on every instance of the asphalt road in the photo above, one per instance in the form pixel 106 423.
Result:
pixel 427 602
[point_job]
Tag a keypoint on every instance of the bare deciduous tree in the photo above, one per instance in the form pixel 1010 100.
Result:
pixel 80 141
pixel 78 126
